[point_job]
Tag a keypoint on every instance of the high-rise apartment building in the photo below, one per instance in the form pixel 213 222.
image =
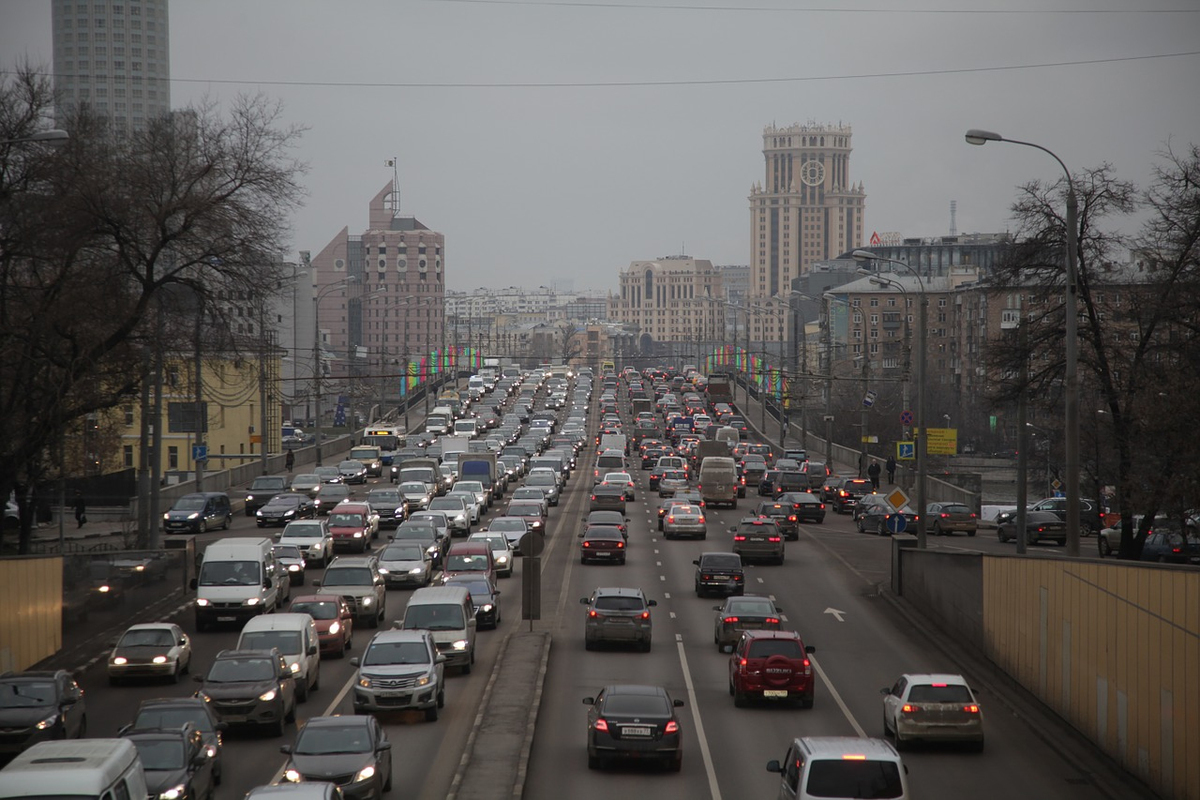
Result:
pixel 806 209
pixel 676 304
pixel 115 58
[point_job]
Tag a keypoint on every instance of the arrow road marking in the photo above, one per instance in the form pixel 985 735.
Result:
pixel 837 614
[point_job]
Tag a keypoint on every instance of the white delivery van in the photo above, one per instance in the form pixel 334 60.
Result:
pixel 103 769
pixel 467 427
pixel 447 612
pixel 239 578
pixel 295 637
pixel 718 481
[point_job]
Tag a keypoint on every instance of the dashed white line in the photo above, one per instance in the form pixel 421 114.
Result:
pixel 666 595
pixel 658 563
pixel 837 698
pixel 672 613
pixel 713 789
pixel 783 617
pixel 760 580
pixel 771 597
pixel 662 577
pixel 656 551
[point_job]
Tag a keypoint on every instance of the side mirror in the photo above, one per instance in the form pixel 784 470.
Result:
pixel 885 691
pixel 441 659
pixel 286 749
pixel 354 661
pixel 589 701
pixel 810 649
pixel 677 703
pixel 192 583
pixel 774 766
pixel 385 745
pixel 733 530
pixel 312 649
pixel 583 601
pixel 267 582
pixel 471 622
pixel 651 602
pixel 696 561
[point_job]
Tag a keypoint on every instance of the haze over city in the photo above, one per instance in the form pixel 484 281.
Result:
pixel 560 141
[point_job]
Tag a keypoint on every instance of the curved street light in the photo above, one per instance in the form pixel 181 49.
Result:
pixel 317 366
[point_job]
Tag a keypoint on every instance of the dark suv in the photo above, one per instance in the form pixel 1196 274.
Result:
pixel 39 705
pixel 250 687
pixel 783 515
pixel 174 712
pixel 617 615
pixel 260 492
pixel 772 666
pixel 849 493
pixel 174 757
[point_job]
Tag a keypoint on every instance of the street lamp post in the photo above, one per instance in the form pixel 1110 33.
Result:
pixel 1071 346
pixel 922 433
pixel 317 367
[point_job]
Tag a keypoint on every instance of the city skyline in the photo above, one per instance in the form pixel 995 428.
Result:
pixel 540 155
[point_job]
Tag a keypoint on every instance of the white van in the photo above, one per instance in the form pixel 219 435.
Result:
pixel 295 636
pixel 718 481
pixel 447 612
pixel 239 578
pixel 467 426
pixel 88 769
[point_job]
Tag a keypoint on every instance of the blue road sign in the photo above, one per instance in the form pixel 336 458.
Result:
pixel 896 523
pixel 199 452
pixel 869 399
pixel 906 451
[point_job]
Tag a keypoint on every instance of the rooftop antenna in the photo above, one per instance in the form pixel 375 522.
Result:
pixel 395 196
pixel 953 215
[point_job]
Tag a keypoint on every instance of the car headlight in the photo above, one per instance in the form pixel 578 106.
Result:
pixel 366 601
pixel 249 497
pixel 334 627
pixel 486 607
pixel 289 512
pixel 432 549
pixel 267 696
pixel 358 534
pixel 160 660
pixel 251 601
pixel 365 774
pixel 383 571
pixel 195 515
pixel 291 775
pixel 211 750
pixel 120 661
pixel 200 601
pixel 416 570
pixel 104 589
pixel 461 644
pixel 174 793
pixel 258 513
pixel 48 722
pixel 293 567
pixel 501 559
pixel 364 683
pixel 423 680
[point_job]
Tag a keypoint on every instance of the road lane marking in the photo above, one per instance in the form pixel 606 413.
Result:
pixel 658 563
pixel 662 577
pixel 656 551
pixel 771 597
pixel 760 580
pixel 666 595
pixel 837 698
pixel 783 617
pixel 672 613
pixel 713 788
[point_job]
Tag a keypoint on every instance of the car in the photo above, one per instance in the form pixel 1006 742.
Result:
pixel 617 614
pixel 175 712
pixel 485 597
pixel 150 650
pixel 389 504
pixel 1039 526
pixel 849 493
pixel 1171 547
pixel 306 483
pixel 547 480
pixel 946 518
pixel 351 528
pixel 406 563
pixel 719 573
pixel 470 499
pixel 329 474
pixel 623 479
pixel 333 617
pixel 296 791
pixel 684 519
pixel 400 670
pixel 513 529
pixel 607 498
pixel 841 766
pixel 175 762
pixel 39 705
pixel 312 537
pixel 425 532
pixel 806 507
pixel 932 707
pixel 634 722
pixel 469 558
pixel 198 513
pixel 261 490
pixel 784 516
pixel 873 513
pixel 250 687
pixel 672 480
pixel 285 507
pixel 417 494
pixel 614 518
pixel 457 512
pixel 502 552
pixel 817 471
pixel 758 538
pixel 357 579
pixel 330 496
pixel 441 524
pixel 355 751
pixel 291 558
pixel 601 543
pixel 829 488
pixel 772 665
pixel 743 613
pixel 533 494
pixel 352 471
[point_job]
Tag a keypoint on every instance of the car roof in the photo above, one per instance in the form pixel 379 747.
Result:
pixel 635 689
pixel 353 561
pixel 150 626
pixel 316 598
pixel 935 677
pixel 622 591
pixel 398 635
pixel 718 553
pixel 838 746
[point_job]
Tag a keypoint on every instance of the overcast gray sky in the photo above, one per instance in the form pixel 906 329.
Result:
pixel 534 184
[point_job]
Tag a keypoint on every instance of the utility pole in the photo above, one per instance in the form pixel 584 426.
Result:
pixel 828 336
pixel 200 416
pixel 866 373
pixel 1022 437
pixel 262 389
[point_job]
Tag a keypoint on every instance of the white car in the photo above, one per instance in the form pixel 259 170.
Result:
pixel 150 650
pixel 311 536
pixel 502 552
pixel 482 496
pixel 474 505
pixel 932 707
pixel 513 528
pixel 620 479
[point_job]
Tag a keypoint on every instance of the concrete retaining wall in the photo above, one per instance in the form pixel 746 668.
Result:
pixel 947 587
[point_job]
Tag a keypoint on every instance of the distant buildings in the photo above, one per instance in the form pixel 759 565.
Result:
pixel 114 58
pixel 676 304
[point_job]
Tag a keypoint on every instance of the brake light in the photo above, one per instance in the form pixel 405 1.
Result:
pixel 729 620
pixel 853 757
pixel 938 685
pixel 741 662
pixel 972 515
pixel 971 709
pixel 943 515
pixel 672 727
pixel 822 506
pixel 587 544
pixel 773 539
pixel 792 518
pixel 739 538
pixel 706 577
pixel 601 725
pixel 671 518
pixel 910 709
pixel 620 545
pixel 702 520
pixel 645 615
pixel 772 620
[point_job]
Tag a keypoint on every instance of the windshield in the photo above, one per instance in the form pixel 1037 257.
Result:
pixel 229 573
pixel 189 504
pixel 396 653
pixel 302 531
pixel 766 648
pixel 542 479
pixel 233 670
pixel 469 563
pixel 160 754
pixel 284 641
pixel 286 551
pixel 854 778
pixel 412 487
pixel 361 452
pixel 384 498
pixel 649 705
pixel 347 576
pixel 346 521
pixel 329 739
pixel 446 617
pixel 757 608
pixel 403 552
pixel 24 694
pixel 317 610
pixel 619 603
pixel 173 718
pixel 267 484
pixel 147 637
pixel 505 524
pixel 524 510
pixel 447 504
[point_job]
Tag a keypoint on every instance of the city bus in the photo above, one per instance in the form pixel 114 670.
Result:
pixel 388 438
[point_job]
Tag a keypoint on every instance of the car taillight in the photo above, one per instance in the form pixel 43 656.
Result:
pixel 842 492
pixel 729 620
pixel 792 518
pixel 671 518
pixel 741 662
pixel 706 577
pixel 645 615
pixel 592 613
pixel 773 539
pixel 772 620
pixel 943 515
pixel 620 545
pixel 807 666
pixel 739 538
pixel 587 544
pixel 822 506
pixel 601 725
pixel 972 515
pixel 971 709
pixel 672 727
pixel 910 709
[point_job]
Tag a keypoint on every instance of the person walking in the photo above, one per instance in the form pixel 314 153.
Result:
pixel 290 460
pixel 873 474
pixel 891 469
pixel 80 509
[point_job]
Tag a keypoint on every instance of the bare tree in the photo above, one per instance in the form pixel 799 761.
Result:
pixel 571 345
pixel 93 233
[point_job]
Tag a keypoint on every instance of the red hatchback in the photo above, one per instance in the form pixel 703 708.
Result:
pixel 773 666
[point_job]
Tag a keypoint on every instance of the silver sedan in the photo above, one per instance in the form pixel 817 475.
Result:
pixel 685 520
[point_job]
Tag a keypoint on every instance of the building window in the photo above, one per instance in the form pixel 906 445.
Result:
pixel 127 450
pixel 172 457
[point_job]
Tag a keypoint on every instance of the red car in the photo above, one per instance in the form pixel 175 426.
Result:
pixel 334 619
pixel 771 666
pixel 602 543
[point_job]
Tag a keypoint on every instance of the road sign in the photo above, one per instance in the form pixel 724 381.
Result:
pixel 906 417
pixel 896 523
pixel 1056 483
pixel 199 452
pixel 906 451
pixel 532 544
pixel 897 498
pixel 869 398
pixel 941 441
pixel 869 439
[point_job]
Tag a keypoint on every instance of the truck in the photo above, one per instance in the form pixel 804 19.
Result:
pixel 614 441
pixel 439 420
pixel 480 467
pixel 720 389
pixel 641 404
pixel 454 445
pixel 718 480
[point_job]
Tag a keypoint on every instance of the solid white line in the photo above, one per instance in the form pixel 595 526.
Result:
pixel 713 788
pixel 837 697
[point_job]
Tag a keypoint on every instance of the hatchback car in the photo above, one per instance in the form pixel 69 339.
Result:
pixel 635 723
pixel 784 516
pixel 175 762
pixel 291 559
pixel 623 479
pixel 36 706
pixel 150 650
pixel 719 573
pixel 352 751
pixel 745 613
pixel 400 670
pixel 946 518
pixel 1039 526
pixel 250 687
pixel 602 543
pixel 175 712
pixel 758 538
pixel 406 563
pixel 334 620
pixel 933 707
pixel 840 766
pixel 306 483
pixel 618 615
pixel 352 471
pixel 849 493
pixel 503 557
pixel 773 666
pixel 684 519
pixel 806 507
pixel 485 598
pixel 672 481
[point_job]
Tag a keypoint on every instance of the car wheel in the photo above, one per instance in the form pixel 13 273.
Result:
pixel 1001 536
pixel 901 743
pixel 466 668
pixel 202 527
pixel 646 646
pixel 431 713
pixel 859 523
pixel 316 684
pixel 441 698
pixel 302 692
pixel 676 764
pixel 373 621
pixel 977 747
pixel 1104 547
pixel 278 728
pixel 175 674
pixel 387 786
pixel 731 687
pixel 228 521
pixel 937 530
pixel 970 533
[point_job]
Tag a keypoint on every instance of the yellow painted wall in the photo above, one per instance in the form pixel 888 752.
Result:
pixel 31 593
pixel 1114 648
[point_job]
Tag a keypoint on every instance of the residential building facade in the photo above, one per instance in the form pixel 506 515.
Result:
pixel 676 304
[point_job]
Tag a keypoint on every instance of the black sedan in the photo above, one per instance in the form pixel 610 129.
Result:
pixel 636 723
pixel 283 508
pixel 1040 526
pixel 356 747
pixel 485 597
pixel 1171 547
pixel 806 506
pixel 603 543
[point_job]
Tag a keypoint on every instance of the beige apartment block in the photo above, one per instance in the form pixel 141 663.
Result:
pixel 671 301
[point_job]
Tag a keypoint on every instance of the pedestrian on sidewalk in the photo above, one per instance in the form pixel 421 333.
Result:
pixel 891 469
pixel 80 509
pixel 873 474
pixel 290 461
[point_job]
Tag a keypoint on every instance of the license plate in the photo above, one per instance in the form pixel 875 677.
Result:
pixel 601 554
pixel 630 730
pixel 226 619
pixel 393 694
pixel 775 693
